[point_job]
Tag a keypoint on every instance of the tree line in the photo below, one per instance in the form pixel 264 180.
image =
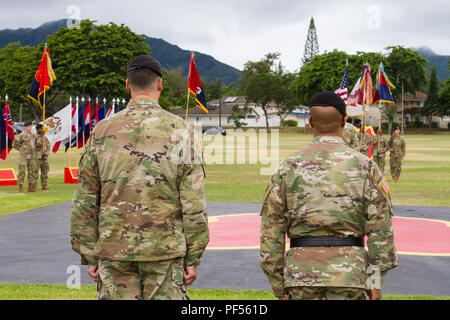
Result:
pixel 92 61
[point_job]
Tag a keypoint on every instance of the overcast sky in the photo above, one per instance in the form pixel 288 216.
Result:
pixel 235 31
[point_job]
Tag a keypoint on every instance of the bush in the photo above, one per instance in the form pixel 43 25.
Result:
pixel 434 124
pixel 448 125
pixel 290 123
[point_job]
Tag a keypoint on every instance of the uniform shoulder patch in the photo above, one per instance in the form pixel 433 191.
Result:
pixel 385 186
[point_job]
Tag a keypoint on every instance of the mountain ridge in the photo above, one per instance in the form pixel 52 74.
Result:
pixel 169 55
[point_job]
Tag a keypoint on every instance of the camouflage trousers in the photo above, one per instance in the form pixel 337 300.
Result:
pixel 148 280
pixel 380 161
pixel 43 166
pixel 327 293
pixel 396 166
pixel 27 167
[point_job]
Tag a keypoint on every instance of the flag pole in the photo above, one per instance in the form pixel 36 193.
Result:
pixel 84 120
pixel 43 109
pixel 70 137
pixel 7 136
pixel 187 102
pixel 76 146
pixel 379 124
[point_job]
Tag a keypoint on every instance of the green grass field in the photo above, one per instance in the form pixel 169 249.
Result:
pixel 425 179
pixel 88 292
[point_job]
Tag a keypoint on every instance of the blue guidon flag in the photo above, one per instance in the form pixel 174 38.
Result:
pixel 383 92
pixel 195 86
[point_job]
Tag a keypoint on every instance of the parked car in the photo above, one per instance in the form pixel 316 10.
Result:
pixel 214 130
pixel 18 127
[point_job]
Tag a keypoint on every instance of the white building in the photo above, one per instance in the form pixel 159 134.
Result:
pixel 253 118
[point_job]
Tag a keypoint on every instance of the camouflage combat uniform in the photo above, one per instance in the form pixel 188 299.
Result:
pixel 25 144
pixel 42 159
pixel 139 211
pixel 326 189
pixel 398 146
pixel 350 136
pixel 379 156
pixel 366 143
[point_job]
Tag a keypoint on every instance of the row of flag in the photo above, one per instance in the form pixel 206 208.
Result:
pixel 363 92
pixel 72 126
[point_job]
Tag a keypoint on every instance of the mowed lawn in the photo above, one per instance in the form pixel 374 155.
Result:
pixel 425 179
pixel 88 292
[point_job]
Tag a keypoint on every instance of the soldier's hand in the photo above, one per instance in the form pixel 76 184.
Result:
pixel 189 275
pixel 285 297
pixel 93 272
pixel 375 294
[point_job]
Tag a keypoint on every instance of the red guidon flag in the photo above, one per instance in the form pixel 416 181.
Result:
pixel 43 79
pixel 195 86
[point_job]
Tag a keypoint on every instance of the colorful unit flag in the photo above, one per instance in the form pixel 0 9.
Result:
pixel 383 91
pixel 94 120
pixel 43 79
pixel 9 131
pixel 57 127
pixel 101 111
pixel 111 111
pixel 365 87
pixel 87 122
pixel 81 126
pixel 342 91
pixel 74 129
pixel 195 86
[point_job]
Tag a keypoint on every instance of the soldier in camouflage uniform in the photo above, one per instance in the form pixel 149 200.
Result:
pixel 379 152
pixel 139 214
pixel 326 198
pixel 42 156
pixel 350 136
pixel 366 142
pixel 25 144
pixel 397 148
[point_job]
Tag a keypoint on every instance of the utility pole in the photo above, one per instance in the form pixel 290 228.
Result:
pixel 403 107
pixel 220 102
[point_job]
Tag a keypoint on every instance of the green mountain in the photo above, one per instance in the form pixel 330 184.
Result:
pixel 441 62
pixel 170 56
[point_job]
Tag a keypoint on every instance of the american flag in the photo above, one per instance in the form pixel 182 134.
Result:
pixel 342 91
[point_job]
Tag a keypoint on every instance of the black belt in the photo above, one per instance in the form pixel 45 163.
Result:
pixel 310 241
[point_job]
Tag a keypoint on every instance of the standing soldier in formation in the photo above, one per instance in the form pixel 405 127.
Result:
pixel 139 214
pixel 397 149
pixel 350 135
pixel 326 198
pixel 42 156
pixel 25 144
pixel 379 151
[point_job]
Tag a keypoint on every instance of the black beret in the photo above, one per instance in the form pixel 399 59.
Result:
pixel 328 99
pixel 147 62
pixel 397 128
pixel 27 123
pixel 38 126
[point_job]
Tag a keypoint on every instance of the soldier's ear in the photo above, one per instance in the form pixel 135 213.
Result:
pixel 127 85
pixel 160 86
pixel 311 122
pixel 343 122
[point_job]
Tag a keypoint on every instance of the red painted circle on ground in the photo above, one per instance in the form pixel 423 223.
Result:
pixel 412 235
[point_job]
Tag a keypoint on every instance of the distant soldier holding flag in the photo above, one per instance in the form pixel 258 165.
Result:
pixel 42 153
